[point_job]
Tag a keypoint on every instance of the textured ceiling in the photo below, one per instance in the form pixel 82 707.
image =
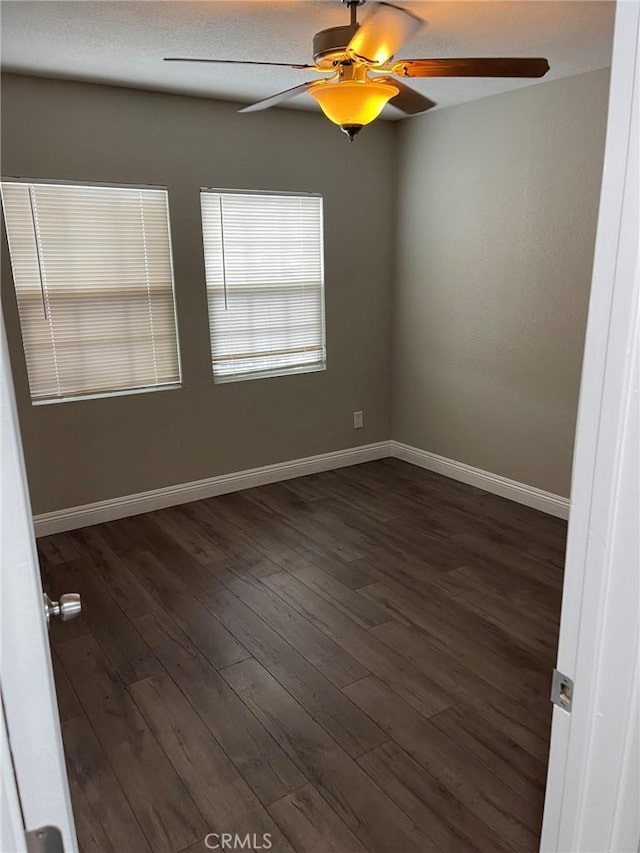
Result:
pixel 122 43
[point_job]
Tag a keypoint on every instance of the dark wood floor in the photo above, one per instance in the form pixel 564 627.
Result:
pixel 353 661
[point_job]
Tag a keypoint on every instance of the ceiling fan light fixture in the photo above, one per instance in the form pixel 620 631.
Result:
pixel 352 104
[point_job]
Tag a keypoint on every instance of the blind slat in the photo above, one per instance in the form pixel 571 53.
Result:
pixel 265 283
pixel 94 285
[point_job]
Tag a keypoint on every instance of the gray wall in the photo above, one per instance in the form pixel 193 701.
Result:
pixel 497 213
pixel 496 206
pixel 84 451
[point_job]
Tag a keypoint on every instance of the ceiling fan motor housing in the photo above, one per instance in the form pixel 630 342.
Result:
pixel 330 46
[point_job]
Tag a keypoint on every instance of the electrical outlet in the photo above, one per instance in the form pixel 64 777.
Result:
pixel 358 420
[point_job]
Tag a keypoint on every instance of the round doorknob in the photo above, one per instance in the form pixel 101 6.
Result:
pixel 67 608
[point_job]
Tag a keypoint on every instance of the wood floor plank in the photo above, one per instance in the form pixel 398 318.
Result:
pixel 474 512
pixel 544 569
pixel 262 569
pixel 411 573
pixel 222 795
pixel 328 657
pixel 141 534
pixel 379 534
pixel 452 509
pixel 422 543
pixel 57 549
pixel 513 612
pixel 494 514
pixel 212 638
pixel 277 499
pixel 526 727
pixel 361 805
pixel 549 554
pixel 494 750
pixel 311 488
pixel 225 535
pixel 334 523
pixel 353 575
pixel 160 577
pixel 312 825
pixel 102 563
pixel 426 696
pixel 309 525
pixel 254 522
pixel 104 820
pixel 248 568
pixel 406 541
pixel 364 612
pixel 188 536
pixel 173 595
pixel 509 571
pixel 159 800
pixel 90 838
pixel 476 643
pixel 261 761
pixel 494 803
pixel 354 494
pixel 324 702
pixel 121 642
pixel 365 652
pixel 441 815
pixel 270 541
pixel 371 474
pixel 68 703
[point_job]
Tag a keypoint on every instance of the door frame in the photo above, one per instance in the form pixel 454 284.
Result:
pixel 593 786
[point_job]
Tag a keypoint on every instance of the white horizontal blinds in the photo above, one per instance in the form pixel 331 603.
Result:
pixel 94 283
pixel 265 283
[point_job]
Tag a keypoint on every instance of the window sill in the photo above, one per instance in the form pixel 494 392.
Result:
pixel 127 392
pixel 270 374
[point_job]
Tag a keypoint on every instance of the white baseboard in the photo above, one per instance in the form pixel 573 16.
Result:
pixel 109 510
pixel 494 483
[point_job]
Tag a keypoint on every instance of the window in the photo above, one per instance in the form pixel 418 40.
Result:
pixel 265 283
pixel 94 284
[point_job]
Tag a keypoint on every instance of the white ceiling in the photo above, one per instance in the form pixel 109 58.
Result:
pixel 122 43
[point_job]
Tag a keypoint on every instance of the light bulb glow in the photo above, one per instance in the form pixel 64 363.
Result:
pixel 351 102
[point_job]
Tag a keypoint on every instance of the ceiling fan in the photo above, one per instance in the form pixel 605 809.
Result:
pixel 359 60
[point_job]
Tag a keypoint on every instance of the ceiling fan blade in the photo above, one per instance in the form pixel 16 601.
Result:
pixel 378 38
pixel 237 62
pixel 407 99
pixel 473 67
pixel 277 99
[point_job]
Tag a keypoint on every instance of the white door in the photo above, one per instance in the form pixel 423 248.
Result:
pixel 593 786
pixel 35 791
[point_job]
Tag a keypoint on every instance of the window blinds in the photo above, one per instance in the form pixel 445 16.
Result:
pixel 265 283
pixel 94 284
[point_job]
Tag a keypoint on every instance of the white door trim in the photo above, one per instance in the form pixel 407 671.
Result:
pixel 587 805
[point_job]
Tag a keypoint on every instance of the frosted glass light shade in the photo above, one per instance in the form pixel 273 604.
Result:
pixel 352 103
